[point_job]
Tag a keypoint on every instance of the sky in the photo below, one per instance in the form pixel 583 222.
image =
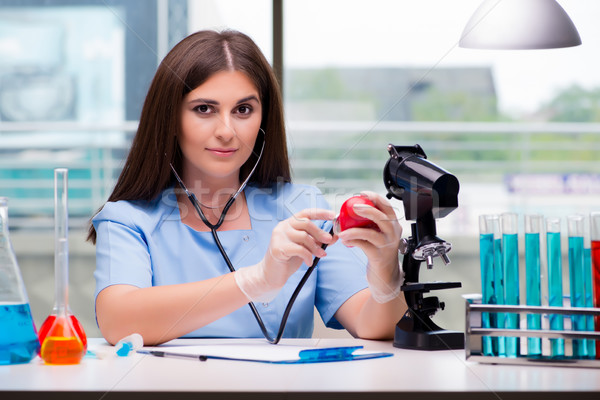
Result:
pixel 419 33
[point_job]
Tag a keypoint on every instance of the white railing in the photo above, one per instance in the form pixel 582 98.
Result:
pixel 29 152
pixel 338 156
pixel 473 151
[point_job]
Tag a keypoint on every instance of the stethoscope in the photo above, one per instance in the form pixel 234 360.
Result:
pixel 213 229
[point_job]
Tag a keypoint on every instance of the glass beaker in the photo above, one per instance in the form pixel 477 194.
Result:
pixel 555 292
pixel 62 338
pixel 510 264
pixel 533 225
pixel 18 337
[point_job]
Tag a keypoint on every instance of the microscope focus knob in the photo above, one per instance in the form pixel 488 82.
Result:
pixel 429 260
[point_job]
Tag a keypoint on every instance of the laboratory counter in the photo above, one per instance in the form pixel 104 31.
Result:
pixel 408 374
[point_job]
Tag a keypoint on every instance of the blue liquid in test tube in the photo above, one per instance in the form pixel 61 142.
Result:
pixel 499 290
pixel 577 290
pixel 589 297
pixel 486 256
pixel 555 292
pixel 510 262
pixel 533 275
pixel 491 281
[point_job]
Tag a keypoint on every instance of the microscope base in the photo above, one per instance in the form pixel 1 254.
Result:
pixel 430 340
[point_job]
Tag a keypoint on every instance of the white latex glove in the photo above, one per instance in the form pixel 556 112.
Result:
pixel 384 275
pixel 382 290
pixel 293 241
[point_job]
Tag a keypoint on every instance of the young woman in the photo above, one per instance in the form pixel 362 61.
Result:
pixel 166 249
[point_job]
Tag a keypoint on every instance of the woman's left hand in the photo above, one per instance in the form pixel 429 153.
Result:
pixel 379 245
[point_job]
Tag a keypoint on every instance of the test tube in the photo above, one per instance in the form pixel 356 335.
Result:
pixel 577 290
pixel 499 285
pixel 533 277
pixel 510 264
pixel 595 255
pixel 491 281
pixel 589 290
pixel 555 292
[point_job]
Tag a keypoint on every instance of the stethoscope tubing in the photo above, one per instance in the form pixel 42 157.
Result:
pixel 213 229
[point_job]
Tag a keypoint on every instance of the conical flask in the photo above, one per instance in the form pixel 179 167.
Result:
pixel 62 338
pixel 18 338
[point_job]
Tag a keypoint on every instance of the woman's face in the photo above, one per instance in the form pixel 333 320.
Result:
pixel 220 120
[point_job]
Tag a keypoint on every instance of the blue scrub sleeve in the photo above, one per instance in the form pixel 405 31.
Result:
pixel 122 255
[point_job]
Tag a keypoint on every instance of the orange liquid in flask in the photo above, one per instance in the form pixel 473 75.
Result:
pixel 62 343
pixel 43 332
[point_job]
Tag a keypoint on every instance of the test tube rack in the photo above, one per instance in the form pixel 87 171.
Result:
pixel 474 333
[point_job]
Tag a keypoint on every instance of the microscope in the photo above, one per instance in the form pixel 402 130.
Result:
pixel 427 192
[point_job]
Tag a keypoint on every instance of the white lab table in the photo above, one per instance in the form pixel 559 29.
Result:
pixel 409 374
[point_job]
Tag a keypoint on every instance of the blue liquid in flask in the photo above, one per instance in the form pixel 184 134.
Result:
pixel 18 337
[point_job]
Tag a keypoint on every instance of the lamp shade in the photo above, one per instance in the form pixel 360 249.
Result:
pixel 519 25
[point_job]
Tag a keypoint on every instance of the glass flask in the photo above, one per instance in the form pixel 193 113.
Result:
pixel 62 338
pixel 18 338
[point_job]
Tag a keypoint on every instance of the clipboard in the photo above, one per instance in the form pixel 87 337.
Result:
pixel 266 353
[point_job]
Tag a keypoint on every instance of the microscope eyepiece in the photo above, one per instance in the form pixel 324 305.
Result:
pixel 419 183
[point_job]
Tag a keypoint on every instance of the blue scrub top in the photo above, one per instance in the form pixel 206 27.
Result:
pixel 144 243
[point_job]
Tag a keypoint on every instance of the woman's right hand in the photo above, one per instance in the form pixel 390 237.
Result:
pixel 293 241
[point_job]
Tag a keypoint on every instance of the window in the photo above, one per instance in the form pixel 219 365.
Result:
pixel 72 74
pixel 361 75
pixel 518 128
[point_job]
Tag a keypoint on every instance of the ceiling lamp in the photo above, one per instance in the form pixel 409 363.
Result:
pixel 519 25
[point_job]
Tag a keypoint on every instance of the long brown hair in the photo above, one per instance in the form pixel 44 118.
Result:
pixel 189 64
